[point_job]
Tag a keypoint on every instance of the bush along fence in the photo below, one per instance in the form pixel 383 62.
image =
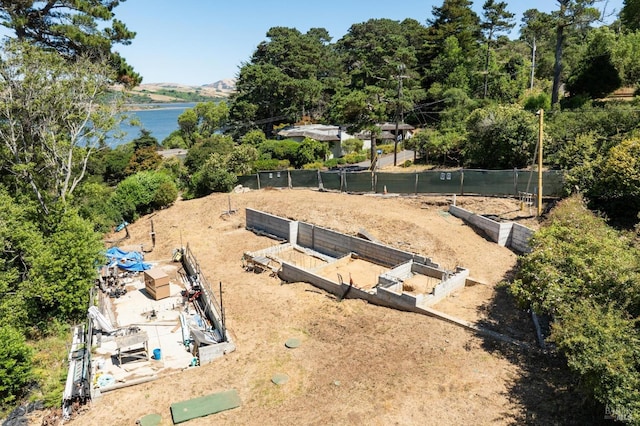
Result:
pixel 461 181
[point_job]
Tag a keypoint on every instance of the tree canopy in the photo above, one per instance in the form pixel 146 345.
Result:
pixel 73 29
pixel 53 117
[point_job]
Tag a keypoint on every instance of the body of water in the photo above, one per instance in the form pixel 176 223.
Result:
pixel 160 120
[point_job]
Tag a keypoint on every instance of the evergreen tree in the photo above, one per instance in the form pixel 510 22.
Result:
pixel 570 13
pixel 496 19
pixel 630 14
pixel 73 28
pixel 454 18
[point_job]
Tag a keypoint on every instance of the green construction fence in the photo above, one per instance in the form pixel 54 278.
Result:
pixel 459 181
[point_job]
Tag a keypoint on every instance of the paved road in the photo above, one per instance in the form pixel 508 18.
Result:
pixel 386 160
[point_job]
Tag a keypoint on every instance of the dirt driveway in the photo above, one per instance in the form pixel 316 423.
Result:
pixel 357 363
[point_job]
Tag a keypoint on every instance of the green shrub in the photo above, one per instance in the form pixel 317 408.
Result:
pixel 385 148
pixel 354 158
pixel 92 201
pixel 313 166
pixel 165 195
pixel 334 162
pixel 213 177
pixel 137 194
pixel 15 364
pixel 49 364
pixel 174 141
pixel 352 145
pixel 271 164
pixel 282 150
pixel 586 275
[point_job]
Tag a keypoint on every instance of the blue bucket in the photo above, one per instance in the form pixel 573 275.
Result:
pixel 157 354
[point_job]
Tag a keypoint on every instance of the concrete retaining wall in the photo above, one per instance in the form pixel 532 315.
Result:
pixel 442 290
pixel 292 273
pixel 496 231
pixel 335 244
pixel 401 272
pixel 271 251
pixel 427 270
pixel 520 236
pixel 209 353
pixel 404 301
pixel 267 223
pixel 509 234
pixel 405 271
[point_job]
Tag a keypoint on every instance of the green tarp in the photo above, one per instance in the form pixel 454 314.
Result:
pixel 304 178
pixel 489 182
pixel 275 179
pixel 331 180
pixel 461 181
pixel 150 420
pixel 204 406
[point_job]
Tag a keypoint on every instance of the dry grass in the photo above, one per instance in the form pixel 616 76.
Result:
pixel 358 363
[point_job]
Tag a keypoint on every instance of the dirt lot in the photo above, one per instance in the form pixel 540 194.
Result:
pixel 358 363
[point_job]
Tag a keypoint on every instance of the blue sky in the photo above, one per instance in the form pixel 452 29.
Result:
pixel 198 42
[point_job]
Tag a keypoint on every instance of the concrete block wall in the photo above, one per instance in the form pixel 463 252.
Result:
pixel 335 244
pixel 496 231
pixel 386 298
pixel 267 223
pixel 520 236
pixel 442 290
pixel 388 281
pixel 401 272
pixel 393 278
pixel 509 234
pixel 274 250
pixel 291 273
pixel 397 299
pixel 429 271
pixel 208 354
pixel 323 240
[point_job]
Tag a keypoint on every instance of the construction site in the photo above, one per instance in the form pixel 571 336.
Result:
pixel 380 294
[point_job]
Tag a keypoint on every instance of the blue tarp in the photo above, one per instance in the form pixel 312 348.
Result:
pixel 127 260
pixel 121 226
pixel 116 253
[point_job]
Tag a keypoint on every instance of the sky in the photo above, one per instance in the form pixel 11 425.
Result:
pixel 197 42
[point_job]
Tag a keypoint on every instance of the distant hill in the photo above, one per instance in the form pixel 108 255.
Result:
pixel 227 85
pixel 175 92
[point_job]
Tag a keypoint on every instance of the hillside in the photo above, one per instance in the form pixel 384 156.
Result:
pixel 358 363
pixel 175 92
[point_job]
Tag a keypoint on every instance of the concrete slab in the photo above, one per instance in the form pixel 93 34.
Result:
pixel 159 319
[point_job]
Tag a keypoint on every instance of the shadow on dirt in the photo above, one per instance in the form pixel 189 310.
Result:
pixel 545 390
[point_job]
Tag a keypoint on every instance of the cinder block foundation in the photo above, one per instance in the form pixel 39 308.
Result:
pixel 330 246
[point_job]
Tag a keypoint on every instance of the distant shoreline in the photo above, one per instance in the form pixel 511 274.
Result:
pixel 157 106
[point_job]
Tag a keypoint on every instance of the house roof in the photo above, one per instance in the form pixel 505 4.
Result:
pixel 319 132
pixel 392 126
pixel 386 135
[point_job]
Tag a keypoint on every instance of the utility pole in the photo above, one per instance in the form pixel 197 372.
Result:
pixel 401 68
pixel 540 133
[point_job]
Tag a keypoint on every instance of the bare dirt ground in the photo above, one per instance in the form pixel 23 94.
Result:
pixel 358 363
